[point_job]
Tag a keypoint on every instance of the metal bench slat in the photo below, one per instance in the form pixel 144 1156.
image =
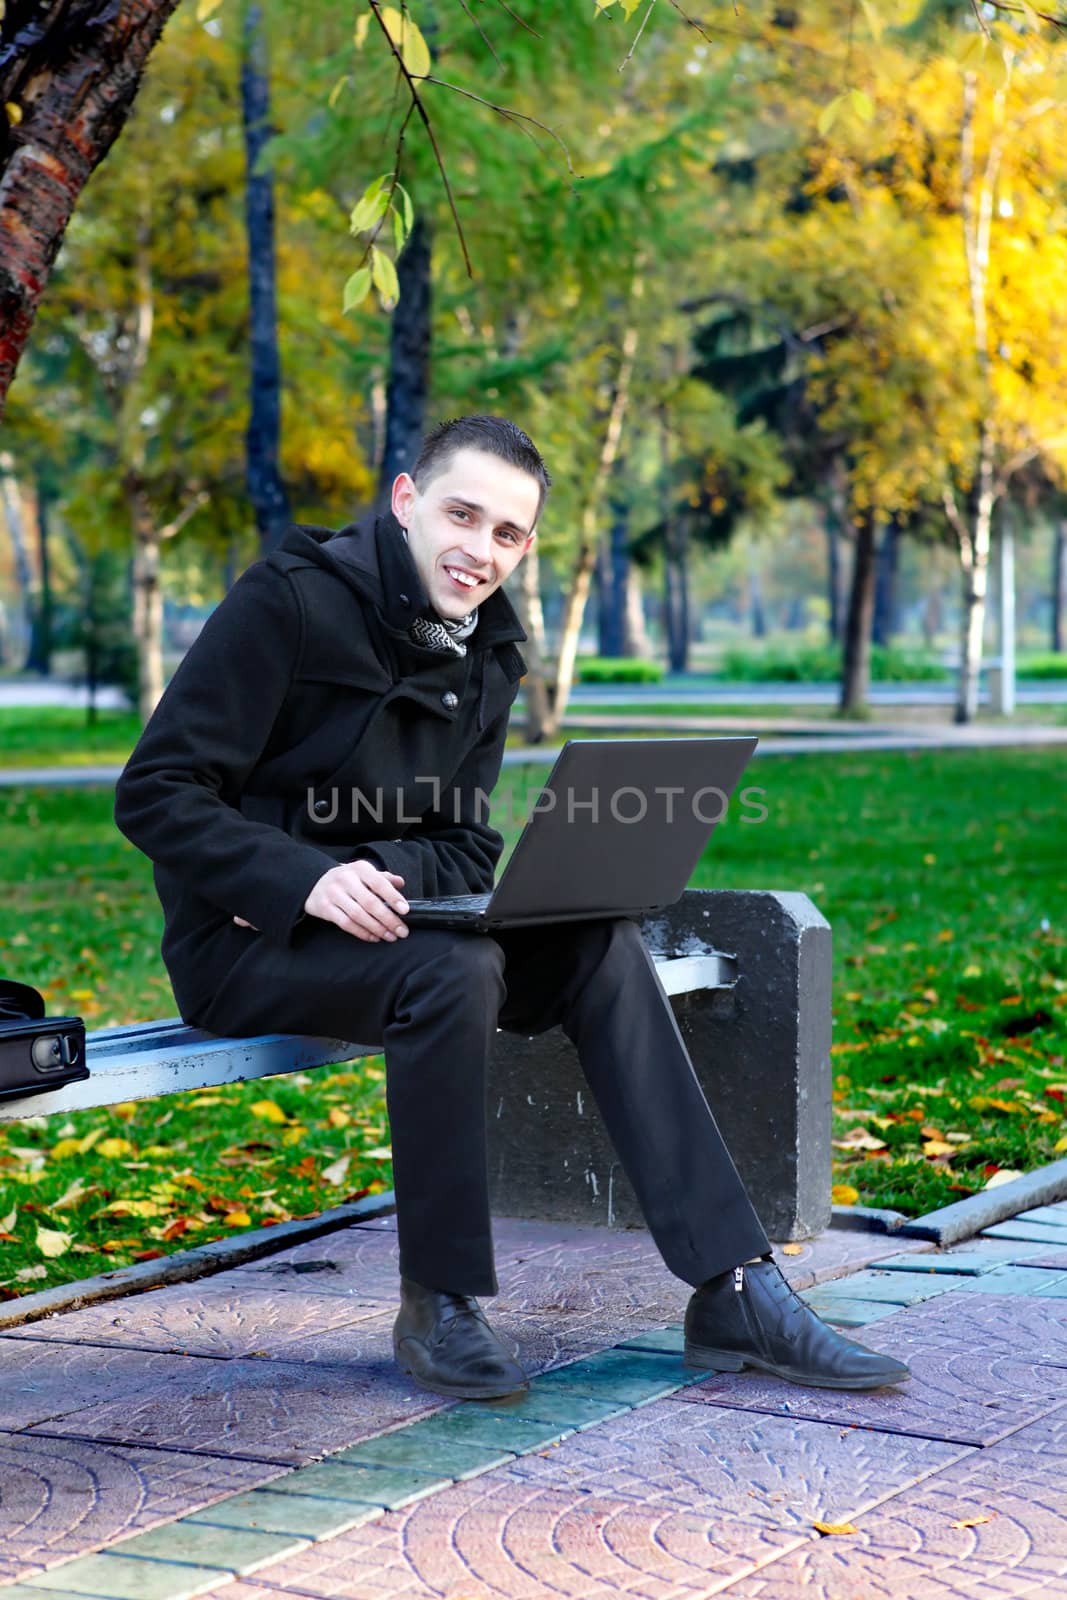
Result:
pixel 167 1056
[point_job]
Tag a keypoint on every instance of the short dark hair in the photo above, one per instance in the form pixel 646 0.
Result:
pixel 497 436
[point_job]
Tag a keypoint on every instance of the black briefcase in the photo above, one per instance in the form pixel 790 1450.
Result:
pixel 37 1053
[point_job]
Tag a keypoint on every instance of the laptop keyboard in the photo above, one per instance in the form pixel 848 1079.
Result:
pixel 452 902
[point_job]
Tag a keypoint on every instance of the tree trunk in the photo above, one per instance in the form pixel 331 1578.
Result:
pixel 11 495
pixel 73 67
pixel 535 683
pixel 41 638
pixel 833 504
pixel 855 677
pixel 1059 580
pixel 266 489
pixel 677 555
pixel 409 359
pixel 884 622
pixel 147 597
pixel 757 615
pixel 578 594
pixel 612 572
pixel 638 642
pixel 974 543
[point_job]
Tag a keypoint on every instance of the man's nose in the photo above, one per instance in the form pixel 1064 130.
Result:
pixel 478 547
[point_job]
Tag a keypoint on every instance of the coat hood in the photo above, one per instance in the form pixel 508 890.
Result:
pixel 371 555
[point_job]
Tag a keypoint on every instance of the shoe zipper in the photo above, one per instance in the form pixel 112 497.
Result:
pixel 739 1278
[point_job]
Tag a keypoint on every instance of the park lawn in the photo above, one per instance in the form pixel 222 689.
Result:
pixel 54 736
pixel 942 874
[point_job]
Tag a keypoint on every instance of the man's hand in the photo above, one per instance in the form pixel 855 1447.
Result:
pixel 361 899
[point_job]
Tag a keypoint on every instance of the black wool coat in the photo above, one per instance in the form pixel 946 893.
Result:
pixel 303 728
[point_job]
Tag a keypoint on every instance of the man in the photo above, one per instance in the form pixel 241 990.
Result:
pixel 321 751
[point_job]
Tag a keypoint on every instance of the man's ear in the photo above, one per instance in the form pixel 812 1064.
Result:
pixel 403 497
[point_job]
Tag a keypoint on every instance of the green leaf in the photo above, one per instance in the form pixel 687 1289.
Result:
pixel 370 206
pixel 398 230
pixel 335 92
pixel 384 275
pixel 409 210
pixel 862 104
pixel 356 288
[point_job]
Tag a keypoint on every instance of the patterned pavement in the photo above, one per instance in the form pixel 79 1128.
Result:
pixel 250 1436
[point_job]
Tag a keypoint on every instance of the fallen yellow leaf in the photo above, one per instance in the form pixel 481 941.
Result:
pixel 267 1111
pixel 1061 1144
pixel 970 1522
pixel 238 1219
pixel 50 1242
pixel 134 1208
pixel 937 1147
pixel 114 1147
pixel 835 1527
pixel 792 1249
pixel 843 1194
pixel 65 1148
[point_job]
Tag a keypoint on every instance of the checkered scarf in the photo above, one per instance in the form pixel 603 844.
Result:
pixel 438 633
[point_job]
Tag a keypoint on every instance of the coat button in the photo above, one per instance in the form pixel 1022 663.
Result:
pixel 404 601
pixel 450 700
pixel 321 807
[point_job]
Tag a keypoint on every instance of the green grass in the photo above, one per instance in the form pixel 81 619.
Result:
pixel 950 1004
pixel 37 736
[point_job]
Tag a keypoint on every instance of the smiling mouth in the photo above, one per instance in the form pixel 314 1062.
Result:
pixel 465 580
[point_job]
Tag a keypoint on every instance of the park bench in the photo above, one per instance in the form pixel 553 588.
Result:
pixel 749 977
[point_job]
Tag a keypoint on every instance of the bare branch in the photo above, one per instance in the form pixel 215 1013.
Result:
pixel 188 511
pixel 520 20
pixel 637 36
pixel 507 113
pixel 485 37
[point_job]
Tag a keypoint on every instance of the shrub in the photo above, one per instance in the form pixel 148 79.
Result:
pixel 618 669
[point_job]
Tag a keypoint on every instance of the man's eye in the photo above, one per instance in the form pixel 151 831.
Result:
pixel 457 512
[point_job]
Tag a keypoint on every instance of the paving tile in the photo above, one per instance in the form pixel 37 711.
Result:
pixel 1010 1279
pixel 847 1313
pixel 1056 1214
pixel 498 1537
pixel 269 1411
pixel 837 1252
pixel 297 1514
pixel 43 1382
pixel 124 1578
pixel 1056 1259
pixel 570 1411
pixel 411 1447
pixel 982 1366
pixel 669 1341
pixel 230 1549
pixel 59 1497
pixel 913 1545
pixel 887 1288
pixel 460 1425
pixel 343 1480
pixel 208 1318
pixel 635 1376
pixel 1034 1232
pixel 775 1473
pixel 971 1262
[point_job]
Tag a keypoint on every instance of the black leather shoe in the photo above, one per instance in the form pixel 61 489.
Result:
pixel 750 1317
pixel 443 1341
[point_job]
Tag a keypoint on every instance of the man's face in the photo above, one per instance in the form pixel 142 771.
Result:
pixel 469 529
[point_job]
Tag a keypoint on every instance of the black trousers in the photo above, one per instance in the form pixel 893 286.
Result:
pixel 433 1002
